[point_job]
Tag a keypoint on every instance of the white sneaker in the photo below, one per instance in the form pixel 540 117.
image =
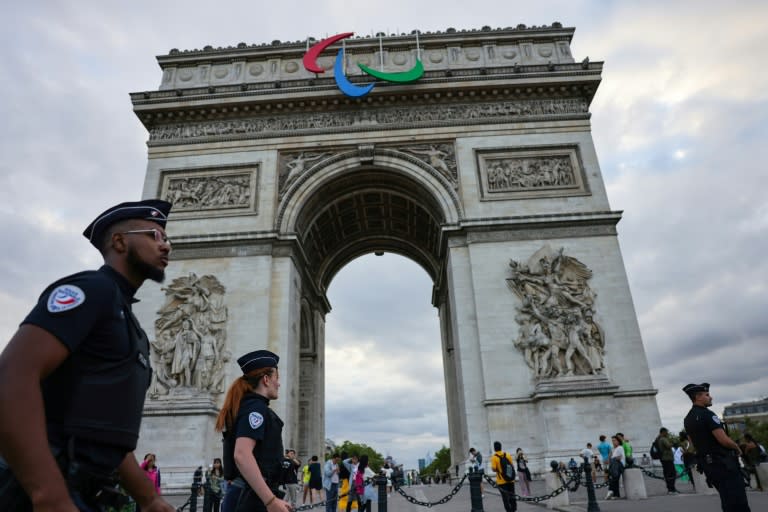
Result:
pixel 609 495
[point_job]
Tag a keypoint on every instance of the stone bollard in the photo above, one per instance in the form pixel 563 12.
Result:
pixel 700 482
pixel 762 475
pixel 554 482
pixel 634 484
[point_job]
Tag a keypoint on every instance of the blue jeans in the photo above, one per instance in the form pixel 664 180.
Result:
pixel 332 498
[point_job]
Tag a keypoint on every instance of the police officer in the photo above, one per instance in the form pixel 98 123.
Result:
pixel 253 445
pixel 74 376
pixel 716 452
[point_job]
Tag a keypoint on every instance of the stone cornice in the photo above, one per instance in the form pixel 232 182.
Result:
pixel 450 36
pixel 583 77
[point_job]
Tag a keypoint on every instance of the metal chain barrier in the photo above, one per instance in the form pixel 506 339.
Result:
pixel 428 504
pixel 537 499
pixel 319 503
pixel 657 477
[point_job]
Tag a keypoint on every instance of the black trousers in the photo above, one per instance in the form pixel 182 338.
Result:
pixel 670 474
pixel 507 491
pixel 725 475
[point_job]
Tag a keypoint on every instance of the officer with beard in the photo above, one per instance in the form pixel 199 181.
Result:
pixel 74 376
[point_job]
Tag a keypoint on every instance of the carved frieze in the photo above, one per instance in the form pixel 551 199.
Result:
pixel 368 119
pixel 292 165
pixel 223 190
pixel 189 352
pixel 438 156
pixel 441 157
pixel 530 172
pixel 557 330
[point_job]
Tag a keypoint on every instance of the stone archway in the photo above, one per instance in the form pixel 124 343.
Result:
pixel 343 208
pixel 483 172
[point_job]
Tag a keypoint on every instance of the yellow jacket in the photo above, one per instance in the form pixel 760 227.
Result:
pixel 496 466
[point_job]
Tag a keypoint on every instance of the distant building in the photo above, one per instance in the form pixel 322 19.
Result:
pixel 422 464
pixel 737 413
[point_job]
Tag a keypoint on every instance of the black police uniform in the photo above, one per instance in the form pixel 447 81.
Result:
pixel 721 466
pixel 93 401
pixel 257 421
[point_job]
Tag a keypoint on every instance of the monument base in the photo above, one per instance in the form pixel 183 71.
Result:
pixel 180 430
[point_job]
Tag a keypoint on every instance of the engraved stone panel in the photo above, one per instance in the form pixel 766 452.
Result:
pixel 211 191
pixel 557 330
pixel 370 119
pixel 530 172
pixel 189 352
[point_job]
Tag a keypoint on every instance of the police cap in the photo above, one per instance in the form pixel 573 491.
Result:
pixel 155 210
pixel 692 389
pixel 258 359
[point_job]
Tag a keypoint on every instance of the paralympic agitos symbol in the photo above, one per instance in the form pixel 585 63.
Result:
pixel 343 83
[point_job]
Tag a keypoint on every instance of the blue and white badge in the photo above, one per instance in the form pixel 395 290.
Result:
pixel 256 420
pixel 716 419
pixel 64 298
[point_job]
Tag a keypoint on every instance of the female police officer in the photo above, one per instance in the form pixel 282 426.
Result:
pixel 253 446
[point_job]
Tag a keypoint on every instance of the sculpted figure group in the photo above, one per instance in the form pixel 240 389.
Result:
pixel 557 330
pixel 190 351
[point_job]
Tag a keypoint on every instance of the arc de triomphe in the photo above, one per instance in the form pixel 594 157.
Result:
pixel 482 170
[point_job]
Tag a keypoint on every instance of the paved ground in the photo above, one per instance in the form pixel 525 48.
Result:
pixel 658 501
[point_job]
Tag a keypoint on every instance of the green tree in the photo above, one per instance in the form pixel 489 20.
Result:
pixel 758 429
pixel 375 459
pixel 442 462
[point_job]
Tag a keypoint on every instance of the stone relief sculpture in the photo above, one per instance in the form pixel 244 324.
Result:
pixel 294 166
pixel 209 192
pixel 557 331
pixel 189 352
pixel 440 156
pixel 510 174
pixel 375 118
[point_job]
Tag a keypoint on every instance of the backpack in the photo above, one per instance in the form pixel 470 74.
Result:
pixel 655 449
pixel 359 483
pixel 507 469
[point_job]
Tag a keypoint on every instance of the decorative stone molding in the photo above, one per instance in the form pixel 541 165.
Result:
pixel 517 173
pixel 438 157
pixel 368 119
pixel 189 352
pixel 557 330
pixel 211 191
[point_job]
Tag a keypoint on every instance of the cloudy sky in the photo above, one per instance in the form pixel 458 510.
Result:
pixel 680 128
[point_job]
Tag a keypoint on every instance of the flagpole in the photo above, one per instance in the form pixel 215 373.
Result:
pixel 418 50
pixel 381 53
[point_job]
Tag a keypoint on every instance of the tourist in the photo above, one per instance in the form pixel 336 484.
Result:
pixel 315 480
pixel 351 464
pixel 523 473
pixel 215 479
pixel 506 487
pixel 615 469
pixel 290 466
pixel 363 490
pixel 667 460
pixel 604 447
pixel 331 482
pixel 149 465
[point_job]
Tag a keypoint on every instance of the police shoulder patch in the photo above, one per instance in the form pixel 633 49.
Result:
pixel 64 298
pixel 256 420
pixel 716 419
